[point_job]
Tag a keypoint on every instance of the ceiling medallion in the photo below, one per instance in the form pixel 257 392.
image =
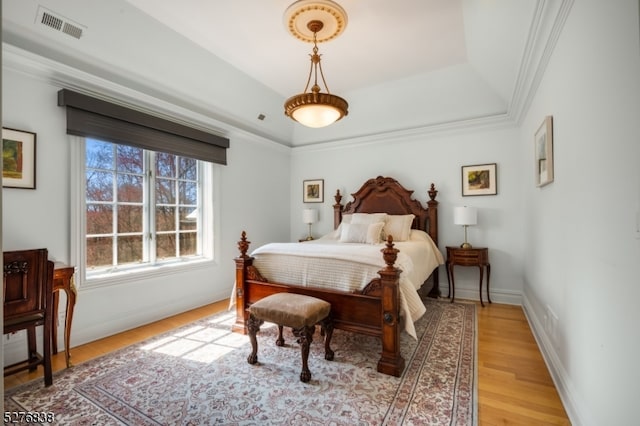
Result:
pixel 300 13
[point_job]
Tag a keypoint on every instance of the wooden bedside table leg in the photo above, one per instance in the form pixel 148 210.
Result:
pixel 488 275
pixel 54 329
pixel 447 266
pixel 453 284
pixel 481 271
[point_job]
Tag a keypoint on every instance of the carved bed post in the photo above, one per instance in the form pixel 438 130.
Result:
pixel 391 362
pixel 432 207
pixel 337 210
pixel 242 263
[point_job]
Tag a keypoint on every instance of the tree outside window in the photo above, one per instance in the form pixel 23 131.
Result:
pixel 142 207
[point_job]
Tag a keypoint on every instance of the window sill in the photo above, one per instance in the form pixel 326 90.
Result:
pixel 99 280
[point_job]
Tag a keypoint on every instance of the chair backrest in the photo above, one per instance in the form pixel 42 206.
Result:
pixel 27 283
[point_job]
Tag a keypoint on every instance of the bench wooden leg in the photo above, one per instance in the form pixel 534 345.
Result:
pixel 280 339
pixel 306 337
pixel 253 326
pixel 327 329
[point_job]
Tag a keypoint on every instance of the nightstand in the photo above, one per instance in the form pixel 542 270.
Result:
pixel 476 256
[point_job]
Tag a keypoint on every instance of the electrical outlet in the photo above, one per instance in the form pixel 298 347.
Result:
pixel 551 326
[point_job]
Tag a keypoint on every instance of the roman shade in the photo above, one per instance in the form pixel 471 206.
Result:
pixel 100 119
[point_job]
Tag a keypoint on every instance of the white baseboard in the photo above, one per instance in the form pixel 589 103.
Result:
pixel 558 373
pixel 508 297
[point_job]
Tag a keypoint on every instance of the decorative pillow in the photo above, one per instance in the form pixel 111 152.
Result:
pixel 399 226
pixel 361 233
pixel 375 234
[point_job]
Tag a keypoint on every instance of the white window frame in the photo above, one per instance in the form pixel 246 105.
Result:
pixel 209 175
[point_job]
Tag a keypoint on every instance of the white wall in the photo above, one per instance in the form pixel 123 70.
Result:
pixel 416 161
pixel 252 194
pixel 582 252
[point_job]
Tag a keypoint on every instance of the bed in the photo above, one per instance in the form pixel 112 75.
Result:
pixel 383 278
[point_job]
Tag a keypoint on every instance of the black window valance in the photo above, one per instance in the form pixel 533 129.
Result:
pixel 96 118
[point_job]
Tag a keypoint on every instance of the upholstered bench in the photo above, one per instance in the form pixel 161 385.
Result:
pixel 297 311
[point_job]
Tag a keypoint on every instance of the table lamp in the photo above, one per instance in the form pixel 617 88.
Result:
pixel 465 216
pixel 309 216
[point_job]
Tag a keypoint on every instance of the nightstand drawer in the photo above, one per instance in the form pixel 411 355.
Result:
pixel 472 260
pixel 467 257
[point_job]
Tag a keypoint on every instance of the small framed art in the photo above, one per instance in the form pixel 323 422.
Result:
pixel 480 179
pixel 18 159
pixel 313 191
pixel 543 141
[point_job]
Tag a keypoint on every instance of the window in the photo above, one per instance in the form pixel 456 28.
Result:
pixel 141 209
pixel 143 206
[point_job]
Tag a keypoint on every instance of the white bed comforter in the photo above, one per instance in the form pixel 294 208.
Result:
pixel 349 267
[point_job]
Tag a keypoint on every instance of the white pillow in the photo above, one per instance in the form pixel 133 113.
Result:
pixel 368 218
pixel 333 235
pixel 399 226
pixel 361 233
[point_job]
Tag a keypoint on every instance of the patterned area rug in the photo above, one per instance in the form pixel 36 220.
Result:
pixel 198 375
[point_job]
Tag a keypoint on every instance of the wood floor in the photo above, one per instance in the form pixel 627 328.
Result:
pixel 514 385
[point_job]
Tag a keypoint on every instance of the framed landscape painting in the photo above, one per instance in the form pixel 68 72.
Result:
pixel 18 159
pixel 543 141
pixel 480 179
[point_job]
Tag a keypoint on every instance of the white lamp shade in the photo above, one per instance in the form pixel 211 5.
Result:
pixel 465 215
pixel 309 216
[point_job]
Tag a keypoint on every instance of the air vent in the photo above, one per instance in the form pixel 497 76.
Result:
pixel 72 30
pixel 51 21
pixel 59 23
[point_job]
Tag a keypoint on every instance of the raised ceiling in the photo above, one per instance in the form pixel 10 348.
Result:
pixel 408 65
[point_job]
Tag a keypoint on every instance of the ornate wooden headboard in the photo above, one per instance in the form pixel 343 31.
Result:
pixel 386 195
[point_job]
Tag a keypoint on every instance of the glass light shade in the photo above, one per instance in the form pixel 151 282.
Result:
pixel 465 215
pixel 316 109
pixel 309 216
pixel 316 116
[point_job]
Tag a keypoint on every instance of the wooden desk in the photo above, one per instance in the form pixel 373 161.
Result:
pixel 63 280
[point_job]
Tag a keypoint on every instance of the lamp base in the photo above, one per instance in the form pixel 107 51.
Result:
pixel 465 245
pixel 309 238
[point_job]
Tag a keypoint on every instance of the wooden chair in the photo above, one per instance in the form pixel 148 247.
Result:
pixel 28 303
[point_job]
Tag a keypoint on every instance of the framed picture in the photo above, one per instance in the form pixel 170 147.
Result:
pixel 543 142
pixel 313 191
pixel 480 179
pixel 18 159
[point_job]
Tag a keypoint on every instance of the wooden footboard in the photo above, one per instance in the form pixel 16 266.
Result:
pixel 375 311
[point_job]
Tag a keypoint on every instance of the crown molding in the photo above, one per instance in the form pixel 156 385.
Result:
pixel 544 32
pixel 476 124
